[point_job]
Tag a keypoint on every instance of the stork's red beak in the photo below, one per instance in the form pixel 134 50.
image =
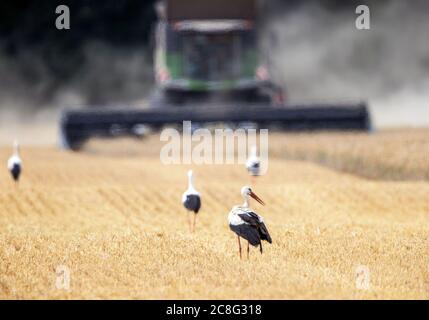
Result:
pixel 254 196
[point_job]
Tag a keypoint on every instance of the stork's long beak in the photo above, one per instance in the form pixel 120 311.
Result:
pixel 254 196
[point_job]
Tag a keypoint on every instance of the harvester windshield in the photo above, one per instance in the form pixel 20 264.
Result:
pixel 212 57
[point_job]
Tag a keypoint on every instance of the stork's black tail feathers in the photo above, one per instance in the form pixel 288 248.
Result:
pixel 256 229
pixel 193 203
pixel 264 234
pixel 16 172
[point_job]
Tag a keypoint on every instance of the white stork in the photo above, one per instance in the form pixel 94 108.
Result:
pixel 248 224
pixel 253 163
pixel 191 200
pixel 14 164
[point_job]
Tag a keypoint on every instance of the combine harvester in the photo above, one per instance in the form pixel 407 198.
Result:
pixel 207 70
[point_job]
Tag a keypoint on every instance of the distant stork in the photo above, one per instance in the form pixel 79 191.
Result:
pixel 191 200
pixel 253 164
pixel 14 164
pixel 248 224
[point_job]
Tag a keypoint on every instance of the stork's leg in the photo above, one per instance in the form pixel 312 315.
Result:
pixel 248 249
pixel 190 222
pixel 239 246
pixel 260 245
pixel 195 220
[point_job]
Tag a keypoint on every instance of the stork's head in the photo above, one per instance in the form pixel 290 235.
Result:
pixel 247 192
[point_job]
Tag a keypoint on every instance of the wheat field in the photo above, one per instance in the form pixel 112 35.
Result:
pixel 395 154
pixel 112 218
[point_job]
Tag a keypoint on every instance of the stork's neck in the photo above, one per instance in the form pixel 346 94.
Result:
pixel 246 202
pixel 254 152
pixel 190 183
pixel 16 149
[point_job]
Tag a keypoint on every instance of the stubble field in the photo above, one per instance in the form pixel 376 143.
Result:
pixel 111 219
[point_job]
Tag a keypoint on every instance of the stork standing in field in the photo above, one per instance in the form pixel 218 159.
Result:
pixel 253 164
pixel 14 164
pixel 191 200
pixel 248 224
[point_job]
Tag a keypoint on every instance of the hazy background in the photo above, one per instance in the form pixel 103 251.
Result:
pixel 316 53
pixel 319 54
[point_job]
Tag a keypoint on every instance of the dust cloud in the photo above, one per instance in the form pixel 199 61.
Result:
pixel 31 101
pixel 318 55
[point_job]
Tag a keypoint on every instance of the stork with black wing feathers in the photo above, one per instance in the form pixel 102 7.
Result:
pixel 253 164
pixel 191 200
pixel 14 164
pixel 248 224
